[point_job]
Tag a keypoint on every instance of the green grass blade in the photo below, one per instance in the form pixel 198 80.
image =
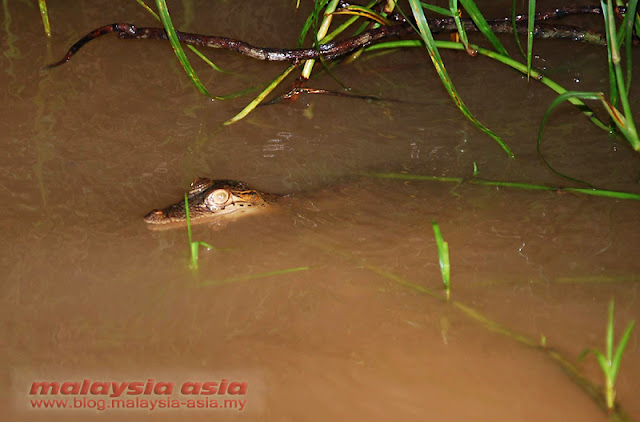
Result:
pixel 628 128
pixel 340 29
pixel 483 26
pixel 364 12
pixel 604 364
pixel 620 350
pixel 530 27
pixel 610 364
pixel 613 90
pixel 557 101
pixel 209 62
pixel 319 35
pixel 429 41
pixel 242 93
pixel 586 353
pixel 443 257
pixel 188 217
pixel 626 36
pixel 636 25
pixel 439 10
pixel 193 246
pixel 177 48
pixel 194 252
pixel 514 27
pixel 313 17
pixel 516 185
pixel 600 357
pixel 192 48
pixel 150 10
pixel 453 6
pixel 537 76
pixel 603 193
pixel 505 60
pixel 363 26
pixel 207 245
pixel 42 4
pixel 625 126
pixel 253 104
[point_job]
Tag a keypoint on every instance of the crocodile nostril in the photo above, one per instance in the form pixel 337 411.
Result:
pixel 154 216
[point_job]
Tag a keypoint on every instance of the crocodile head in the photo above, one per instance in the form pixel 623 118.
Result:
pixel 212 199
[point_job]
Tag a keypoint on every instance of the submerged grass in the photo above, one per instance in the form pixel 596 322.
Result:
pixel 610 362
pixel 627 278
pixel 253 276
pixel 194 249
pixel 443 258
pixel 194 246
pixel 517 185
pixel 542 345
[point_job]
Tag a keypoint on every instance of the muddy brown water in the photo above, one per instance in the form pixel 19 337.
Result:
pixel 90 292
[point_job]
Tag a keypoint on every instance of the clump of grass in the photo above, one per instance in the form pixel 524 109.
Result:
pixel 443 257
pixel 194 246
pixel 325 9
pixel 610 363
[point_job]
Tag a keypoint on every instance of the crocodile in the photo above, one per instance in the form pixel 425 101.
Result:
pixel 209 199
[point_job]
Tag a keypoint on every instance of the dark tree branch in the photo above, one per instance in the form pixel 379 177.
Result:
pixel 336 49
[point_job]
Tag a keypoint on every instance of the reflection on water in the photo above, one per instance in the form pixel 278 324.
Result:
pixel 95 145
pixel 279 145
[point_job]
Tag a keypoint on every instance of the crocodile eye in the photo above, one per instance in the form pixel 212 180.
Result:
pixel 217 199
pixel 220 196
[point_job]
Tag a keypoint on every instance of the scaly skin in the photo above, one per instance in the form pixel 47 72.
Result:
pixel 212 199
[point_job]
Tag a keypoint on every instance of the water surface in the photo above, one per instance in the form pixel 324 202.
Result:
pixel 90 291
